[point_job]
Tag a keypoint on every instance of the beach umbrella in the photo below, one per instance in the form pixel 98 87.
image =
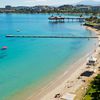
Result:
pixel 91 60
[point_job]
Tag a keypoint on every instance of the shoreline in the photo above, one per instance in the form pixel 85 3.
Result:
pixel 68 77
pixel 59 85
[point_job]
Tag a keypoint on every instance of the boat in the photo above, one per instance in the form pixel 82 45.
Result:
pixel 4 48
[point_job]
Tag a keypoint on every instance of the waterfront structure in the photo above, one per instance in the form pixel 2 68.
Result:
pixel 8 7
pixel 84 9
pixel 95 8
pixel 60 18
pixel 56 18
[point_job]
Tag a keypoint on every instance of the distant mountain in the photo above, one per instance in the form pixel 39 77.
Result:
pixel 90 2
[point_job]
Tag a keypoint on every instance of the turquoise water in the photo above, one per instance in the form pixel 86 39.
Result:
pixel 26 61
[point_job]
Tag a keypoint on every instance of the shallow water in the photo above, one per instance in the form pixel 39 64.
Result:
pixel 26 61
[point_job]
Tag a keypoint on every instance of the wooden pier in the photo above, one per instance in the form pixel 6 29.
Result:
pixel 57 18
pixel 47 36
pixel 75 19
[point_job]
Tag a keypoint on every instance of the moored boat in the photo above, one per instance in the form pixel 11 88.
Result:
pixel 4 48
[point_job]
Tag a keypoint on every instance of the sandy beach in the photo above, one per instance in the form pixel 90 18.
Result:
pixel 68 82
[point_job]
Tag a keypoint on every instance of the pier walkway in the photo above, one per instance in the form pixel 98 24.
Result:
pixel 76 19
pixel 47 36
pixel 66 18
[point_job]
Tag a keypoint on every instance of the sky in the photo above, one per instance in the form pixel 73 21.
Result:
pixel 37 2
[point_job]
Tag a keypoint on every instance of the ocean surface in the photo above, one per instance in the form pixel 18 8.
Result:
pixel 29 60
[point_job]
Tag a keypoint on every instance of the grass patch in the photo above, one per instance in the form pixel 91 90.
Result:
pixel 93 92
pixel 91 23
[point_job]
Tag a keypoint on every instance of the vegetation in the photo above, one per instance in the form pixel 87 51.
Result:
pixel 93 21
pixel 93 92
pixel 50 9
